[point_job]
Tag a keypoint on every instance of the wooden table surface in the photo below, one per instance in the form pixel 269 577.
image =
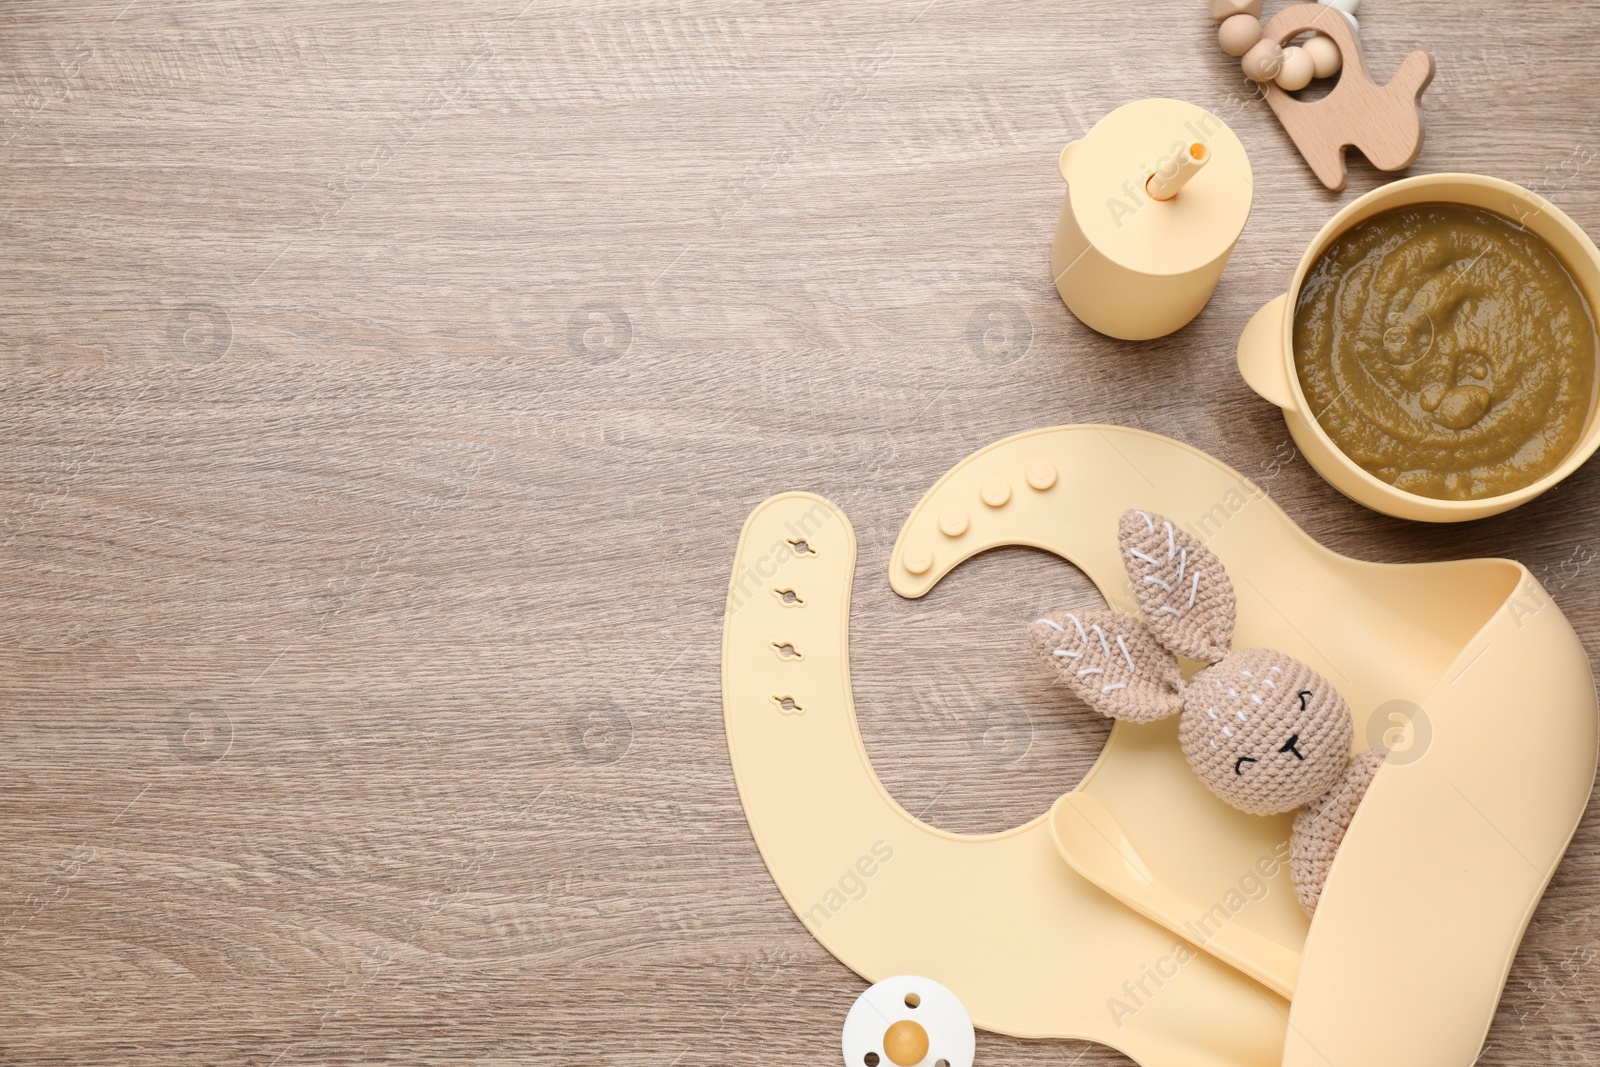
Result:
pixel 386 386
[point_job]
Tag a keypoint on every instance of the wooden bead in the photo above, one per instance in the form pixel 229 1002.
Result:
pixel 1325 60
pixel 1295 69
pixel 1222 10
pixel 1238 33
pixel 1262 62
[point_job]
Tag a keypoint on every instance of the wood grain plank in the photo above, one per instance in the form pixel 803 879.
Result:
pixel 386 387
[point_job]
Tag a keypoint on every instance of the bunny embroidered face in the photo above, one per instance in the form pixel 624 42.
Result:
pixel 1263 731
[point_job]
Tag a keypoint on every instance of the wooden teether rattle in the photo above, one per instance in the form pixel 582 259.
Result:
pixel 1380 120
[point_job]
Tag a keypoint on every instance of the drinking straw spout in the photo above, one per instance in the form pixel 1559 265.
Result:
pixel 1176 170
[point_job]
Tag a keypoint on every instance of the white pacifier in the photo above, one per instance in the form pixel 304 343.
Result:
pixel 908 1021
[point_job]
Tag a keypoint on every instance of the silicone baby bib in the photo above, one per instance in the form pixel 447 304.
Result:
pixel 1032 948
pixel 1142 911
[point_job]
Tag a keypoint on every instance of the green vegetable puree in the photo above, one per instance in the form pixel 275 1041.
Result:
pixel 1446 350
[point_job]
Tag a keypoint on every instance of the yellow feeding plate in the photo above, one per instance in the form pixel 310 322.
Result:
pixel 1141 911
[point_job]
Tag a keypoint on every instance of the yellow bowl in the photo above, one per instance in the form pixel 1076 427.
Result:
pixel 1266 348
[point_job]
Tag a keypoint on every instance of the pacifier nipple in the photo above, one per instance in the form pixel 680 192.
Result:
pixel 905 1043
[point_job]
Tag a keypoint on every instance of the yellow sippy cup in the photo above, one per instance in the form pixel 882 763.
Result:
pixel 1157 194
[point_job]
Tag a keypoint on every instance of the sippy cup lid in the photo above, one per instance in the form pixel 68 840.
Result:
pixel 1107 173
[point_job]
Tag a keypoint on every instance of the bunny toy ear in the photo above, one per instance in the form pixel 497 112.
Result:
pixel 1180 585
pixel 1112 662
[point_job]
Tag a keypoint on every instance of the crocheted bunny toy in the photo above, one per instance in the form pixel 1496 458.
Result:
pixel 1264 732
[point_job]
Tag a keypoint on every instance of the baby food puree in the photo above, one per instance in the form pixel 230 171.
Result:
pixel 1446 350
